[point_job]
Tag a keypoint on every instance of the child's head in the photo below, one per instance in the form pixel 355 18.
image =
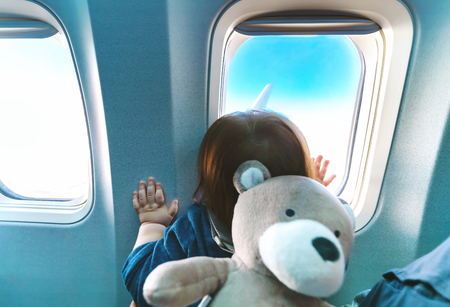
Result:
pixel 238 137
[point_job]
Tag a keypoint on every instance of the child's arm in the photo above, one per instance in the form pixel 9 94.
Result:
pixel 154 215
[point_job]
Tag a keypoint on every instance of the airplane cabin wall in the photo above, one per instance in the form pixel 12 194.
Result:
pixel 412 216
pixel 152 60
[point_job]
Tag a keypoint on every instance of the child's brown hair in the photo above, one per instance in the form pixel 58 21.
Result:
pixel 238 137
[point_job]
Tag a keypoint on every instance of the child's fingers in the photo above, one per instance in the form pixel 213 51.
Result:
pixel 317 163
pixel 142 194
pixel 323 170
pixel 135 201
pixel 159 195
pixel 330 179
pixel 173 209
pixel 150 191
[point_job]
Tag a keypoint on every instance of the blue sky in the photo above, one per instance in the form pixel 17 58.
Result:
pixel 315 81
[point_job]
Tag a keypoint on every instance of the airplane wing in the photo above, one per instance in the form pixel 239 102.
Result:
pixel 261 102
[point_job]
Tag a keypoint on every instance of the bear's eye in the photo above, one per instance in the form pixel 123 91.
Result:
pixel 337 233
pixel 290 212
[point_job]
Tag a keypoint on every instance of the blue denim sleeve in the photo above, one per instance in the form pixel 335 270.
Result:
pixel 189 236
pixel 147 257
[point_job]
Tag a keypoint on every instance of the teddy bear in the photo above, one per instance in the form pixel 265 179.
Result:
pixel 292 240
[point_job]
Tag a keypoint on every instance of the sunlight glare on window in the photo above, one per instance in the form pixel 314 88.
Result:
pixel 315 84
pixel 44 142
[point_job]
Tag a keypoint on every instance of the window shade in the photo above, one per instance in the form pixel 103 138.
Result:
pixel 25 28
pixel 307 25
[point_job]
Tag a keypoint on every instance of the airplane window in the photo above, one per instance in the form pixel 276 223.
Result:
pixel 313 80
pixel 45 146
pixel 338 74
pixel 325 82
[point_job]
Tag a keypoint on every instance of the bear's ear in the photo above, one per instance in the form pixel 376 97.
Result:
pixel 349 212
pixel 250 174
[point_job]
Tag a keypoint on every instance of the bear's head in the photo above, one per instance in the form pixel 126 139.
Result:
pixel 293 228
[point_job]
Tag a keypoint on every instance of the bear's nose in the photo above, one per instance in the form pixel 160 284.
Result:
pixel 326 249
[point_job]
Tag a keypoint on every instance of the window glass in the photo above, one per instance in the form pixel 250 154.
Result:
pixel 315 84
pixel 44 144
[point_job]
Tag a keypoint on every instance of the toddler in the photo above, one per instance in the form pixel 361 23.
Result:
pixel 206 228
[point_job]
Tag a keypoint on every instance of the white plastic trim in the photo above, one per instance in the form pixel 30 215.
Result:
pixel 28 9
pixel 394 19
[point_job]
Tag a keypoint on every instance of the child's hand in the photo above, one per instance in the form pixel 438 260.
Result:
pixel 149 204
pixel 321 171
